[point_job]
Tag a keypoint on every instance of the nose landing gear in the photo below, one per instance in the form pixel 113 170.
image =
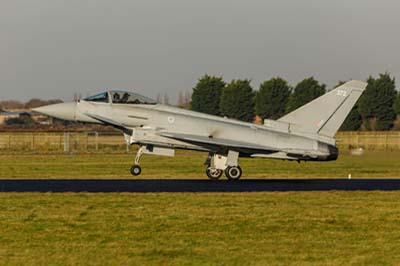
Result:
pixel 136 169
pixel 150 150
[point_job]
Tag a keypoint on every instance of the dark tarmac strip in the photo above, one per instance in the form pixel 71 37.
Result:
pixel 196 185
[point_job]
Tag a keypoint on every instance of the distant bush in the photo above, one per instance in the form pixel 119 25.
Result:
pixel 23 119
pixel 33 103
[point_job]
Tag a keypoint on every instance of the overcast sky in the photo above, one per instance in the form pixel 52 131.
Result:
pixel 54 48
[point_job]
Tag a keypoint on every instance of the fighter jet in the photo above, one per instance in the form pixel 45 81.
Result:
pixel 306 134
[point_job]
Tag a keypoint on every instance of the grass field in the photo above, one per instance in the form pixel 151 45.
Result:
pixel 278 228
pixel 313 228
pixel 191 165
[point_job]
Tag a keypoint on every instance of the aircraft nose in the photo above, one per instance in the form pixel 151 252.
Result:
pixel 64 111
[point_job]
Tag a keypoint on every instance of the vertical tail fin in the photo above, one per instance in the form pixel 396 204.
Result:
pixel 327 113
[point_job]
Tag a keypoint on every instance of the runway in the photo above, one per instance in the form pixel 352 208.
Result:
pixel 193 185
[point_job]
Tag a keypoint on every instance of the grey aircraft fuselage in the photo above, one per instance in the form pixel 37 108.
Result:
pixel 148 120
pixel 305 134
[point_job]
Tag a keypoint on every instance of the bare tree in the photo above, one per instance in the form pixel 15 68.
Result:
pixel 181 99
pixel 184 99
pixel 11 104
pixel 33 103
pixel 187 99
pixel 77 97
pixel 166 99
pixel 158 99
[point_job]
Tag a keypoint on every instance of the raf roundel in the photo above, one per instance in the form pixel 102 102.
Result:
pixel 171 119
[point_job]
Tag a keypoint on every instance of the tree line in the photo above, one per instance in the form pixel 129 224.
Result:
pixel 33 103
pixel 377 109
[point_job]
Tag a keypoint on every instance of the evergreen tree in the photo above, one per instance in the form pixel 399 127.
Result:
pixel 396 109
pixel 237 100
pixel 353 121
pixel 376 103
pixel 206 95
pixel 304 92
pixel 396 105
pixel 271 99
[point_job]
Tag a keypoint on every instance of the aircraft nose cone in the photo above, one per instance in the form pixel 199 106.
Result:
pixel 64 111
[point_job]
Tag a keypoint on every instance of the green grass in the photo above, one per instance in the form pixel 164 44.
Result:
pixel 287 228
pixel 313 228
pixel 191 165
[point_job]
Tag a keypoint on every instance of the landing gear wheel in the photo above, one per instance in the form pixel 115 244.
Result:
pixel 213 174
pixel 136 170
pixel 233 172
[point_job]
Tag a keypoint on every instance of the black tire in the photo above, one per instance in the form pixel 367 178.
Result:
pixel 136 170
pixel 213 174
pixel 233 172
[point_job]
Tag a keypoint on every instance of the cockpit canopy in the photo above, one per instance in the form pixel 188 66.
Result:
pixel 101 98
pixel 130 98
pixel 120 97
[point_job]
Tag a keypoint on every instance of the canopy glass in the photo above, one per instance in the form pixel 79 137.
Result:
pixel 120 97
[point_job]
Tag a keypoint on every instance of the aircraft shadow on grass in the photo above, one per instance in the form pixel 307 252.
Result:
pixel 193 185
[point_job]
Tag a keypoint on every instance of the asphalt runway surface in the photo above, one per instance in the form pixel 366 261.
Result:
pixel 195 185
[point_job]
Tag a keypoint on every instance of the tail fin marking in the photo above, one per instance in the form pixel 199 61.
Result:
pixel 326 114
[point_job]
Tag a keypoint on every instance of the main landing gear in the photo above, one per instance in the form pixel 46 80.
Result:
pixel 231 172
pixel 217 164
pixel 213 173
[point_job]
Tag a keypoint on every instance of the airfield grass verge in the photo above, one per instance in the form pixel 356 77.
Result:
pixel 309 228
pixel 188 165
pixel 278 228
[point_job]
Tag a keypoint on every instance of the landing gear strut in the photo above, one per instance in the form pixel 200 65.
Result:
pixel 217 164
pixel 136 169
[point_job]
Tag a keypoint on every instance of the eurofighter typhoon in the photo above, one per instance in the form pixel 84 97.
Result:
pixel 306 134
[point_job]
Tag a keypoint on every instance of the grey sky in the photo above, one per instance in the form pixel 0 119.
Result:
pixel 53 48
